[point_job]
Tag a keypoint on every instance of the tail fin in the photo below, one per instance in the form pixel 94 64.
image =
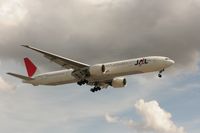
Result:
pixel 30 67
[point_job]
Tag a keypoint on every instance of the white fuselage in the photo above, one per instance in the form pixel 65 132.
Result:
pixel 112 70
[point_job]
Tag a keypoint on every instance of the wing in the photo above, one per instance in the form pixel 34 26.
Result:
pixel 62 61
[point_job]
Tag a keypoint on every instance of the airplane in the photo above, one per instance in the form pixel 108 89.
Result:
pixel 100 75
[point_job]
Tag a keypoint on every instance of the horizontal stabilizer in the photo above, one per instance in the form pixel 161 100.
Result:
pixel 20 76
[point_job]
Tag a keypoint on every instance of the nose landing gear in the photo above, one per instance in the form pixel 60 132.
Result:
pixel 160 73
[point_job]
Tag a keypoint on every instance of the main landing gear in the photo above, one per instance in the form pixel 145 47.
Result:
pixel 82 82
pixel 160 73
pixel 95 89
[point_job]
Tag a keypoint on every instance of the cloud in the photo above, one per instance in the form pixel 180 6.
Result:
pixel 105 30
pixel 154 118
pixel 11 12
pixel 5 86
pixel 157 118
pixel 111 119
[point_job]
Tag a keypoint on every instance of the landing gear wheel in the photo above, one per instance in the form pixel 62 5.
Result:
pixel 160 73
pixel 95 89
pixel 92 90
pixel 82 82
pixel 98 88
pixel 79 83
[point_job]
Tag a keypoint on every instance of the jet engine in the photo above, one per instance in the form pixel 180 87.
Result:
pixel 97 70
pixel 118 82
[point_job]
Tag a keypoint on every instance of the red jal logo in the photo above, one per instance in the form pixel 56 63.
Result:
pixel 141 62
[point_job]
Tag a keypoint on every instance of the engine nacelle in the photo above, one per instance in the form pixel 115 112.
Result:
pixel 97 70
pixel 118 82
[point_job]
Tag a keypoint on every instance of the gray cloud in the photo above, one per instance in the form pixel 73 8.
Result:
pixel 102 31
pixel 5 86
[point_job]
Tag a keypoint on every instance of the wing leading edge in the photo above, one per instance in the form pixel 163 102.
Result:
pixel 62 61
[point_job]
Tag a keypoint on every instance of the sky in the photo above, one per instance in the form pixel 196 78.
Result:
pixel 98 31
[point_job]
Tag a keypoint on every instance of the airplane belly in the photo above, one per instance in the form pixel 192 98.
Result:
pixel 55 79
pixel 58 80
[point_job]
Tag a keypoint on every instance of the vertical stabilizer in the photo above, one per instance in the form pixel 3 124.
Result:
pixel 30 67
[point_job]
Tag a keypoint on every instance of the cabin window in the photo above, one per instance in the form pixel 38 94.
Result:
pixel 166 58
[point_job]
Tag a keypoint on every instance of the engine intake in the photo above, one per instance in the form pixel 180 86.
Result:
pixel 97 70
pixel 118 82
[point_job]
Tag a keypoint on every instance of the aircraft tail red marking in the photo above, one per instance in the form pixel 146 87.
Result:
pixel 30 67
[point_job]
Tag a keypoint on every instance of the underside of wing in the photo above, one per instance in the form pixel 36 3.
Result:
pixel 62 61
